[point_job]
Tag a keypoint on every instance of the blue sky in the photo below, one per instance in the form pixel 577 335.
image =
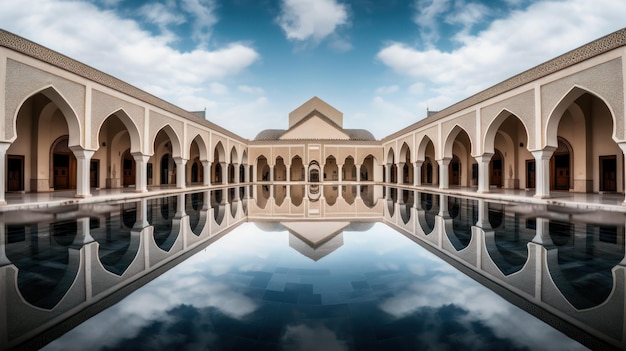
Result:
pixel 250 63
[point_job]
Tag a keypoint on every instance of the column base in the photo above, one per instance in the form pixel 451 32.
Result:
pixel 83 196
pixel 541 196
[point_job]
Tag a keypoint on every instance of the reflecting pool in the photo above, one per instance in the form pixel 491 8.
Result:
pixel 312 267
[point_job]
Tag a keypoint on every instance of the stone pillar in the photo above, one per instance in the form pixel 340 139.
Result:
pixel 388 173
pixel 83 233
pixel 358 172
pixel 417 173
pixel 483 215
pixel 483 172
pixel 444 172
pixel 542 232
pixel 236 173
pixel 4 260
pixel 340 173
pixel 246 173
pixel 542 169
pixel 83 158
pixel 623 147
pixel 141 171
pixel 180 172
pixel 400 173
pixel 271 173
pixel 3 171
pixel 206 173
pixel 224 167
pixel 288 171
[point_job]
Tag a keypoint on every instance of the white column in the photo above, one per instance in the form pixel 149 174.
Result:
pixel 388 173
pixel 254 174
pixel 141 171
pixel 246 174
pixel 542 169
pixel 224 167
pixel 288 171
pixel 3 171
pixel 180 172
pixel 400 173
pixel 483 172
pixel 358 173
pixel 206 170
pixel 443 172
pixel 82 170
pixel 623 147
pixel 339 173
pixel 236 173
pixel 417 173
pixel 271 173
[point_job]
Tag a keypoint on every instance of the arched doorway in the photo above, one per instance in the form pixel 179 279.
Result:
pixel 197 171
pixel 63 165
pixel 560 166
pixel 314 172
pixel 427 171
pixel 496 165
pixel 454 176
pixel 128 169
pixel 167 170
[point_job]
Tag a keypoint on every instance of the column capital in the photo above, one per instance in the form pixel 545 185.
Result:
pixel 79 152
pixel 179 159
pixel 543 154
pixel 140 157
pixel 444 161
pixel 485 157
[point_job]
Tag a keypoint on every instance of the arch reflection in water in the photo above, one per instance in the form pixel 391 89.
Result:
pixel 52 268
pixel 568 273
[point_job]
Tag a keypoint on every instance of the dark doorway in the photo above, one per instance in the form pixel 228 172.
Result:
pixel 94 166
pixel 128 169
pixel 560 165
pixel 165 168
pixel 608 173
pixel 530 174
pixel 495 170
pixel 454 178
pixel 15 173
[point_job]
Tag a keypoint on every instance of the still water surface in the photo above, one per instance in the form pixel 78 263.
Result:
pixel 215 270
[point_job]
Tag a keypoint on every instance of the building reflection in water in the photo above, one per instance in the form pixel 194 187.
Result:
pixel 563 266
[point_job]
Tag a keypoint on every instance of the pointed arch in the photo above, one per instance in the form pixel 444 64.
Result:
pixel 405 151
pixel 219 153
pixel 451 138
pixel 131 127
pixel 554 117
pixel 233 155
pixel 489 137
pixel 71 117
pixel 203 150
pixel 174 140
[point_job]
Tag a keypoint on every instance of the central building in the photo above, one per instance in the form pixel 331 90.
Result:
pixel 316 148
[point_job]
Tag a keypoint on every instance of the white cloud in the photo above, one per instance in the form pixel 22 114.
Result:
pixel 218 88
pixel 388 89
pixel 205 19
pixel 160 15
pixel 311 20
pixel 506 47
pixel 427 17
pixel 251 90
pixel 122 48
